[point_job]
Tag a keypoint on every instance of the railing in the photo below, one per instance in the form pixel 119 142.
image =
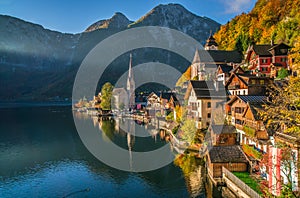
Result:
pixel 244 187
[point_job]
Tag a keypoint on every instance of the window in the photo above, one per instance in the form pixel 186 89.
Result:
pixel 253 82
pixel 209 105
pixel 208 115
pixel 264 69
pixel 283 59
pixel 244 92
pixel 262 82
pixel 284 51
pixel 264 60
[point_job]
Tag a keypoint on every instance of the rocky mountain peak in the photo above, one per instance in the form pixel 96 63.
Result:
pixel 117 21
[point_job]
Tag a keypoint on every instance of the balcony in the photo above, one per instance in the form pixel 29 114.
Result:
pixel 249 131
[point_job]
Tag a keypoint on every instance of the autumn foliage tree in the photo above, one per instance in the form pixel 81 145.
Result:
pixel 278 20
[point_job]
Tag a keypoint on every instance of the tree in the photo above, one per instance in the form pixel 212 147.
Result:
pixel 189 130
pixel 283 111
pixel 282 73
pixel 106 96
pixel 282 115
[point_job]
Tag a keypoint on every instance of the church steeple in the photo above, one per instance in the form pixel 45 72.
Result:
pixel 211 43
pixel 131 85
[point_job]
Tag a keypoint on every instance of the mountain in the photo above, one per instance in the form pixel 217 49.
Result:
pixel 175 16
pixel 40 64
pixel 118 21
pixel 277 20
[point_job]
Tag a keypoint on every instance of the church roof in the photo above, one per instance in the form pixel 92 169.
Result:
pixel 217 56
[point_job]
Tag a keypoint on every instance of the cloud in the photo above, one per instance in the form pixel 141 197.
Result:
pixel 237 6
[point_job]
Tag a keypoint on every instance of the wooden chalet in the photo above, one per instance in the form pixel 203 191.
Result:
pixel 242 112
pixel 230 157
pixel 246 84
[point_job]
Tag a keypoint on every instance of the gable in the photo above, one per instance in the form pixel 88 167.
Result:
pixel 249 114
pixel 234 80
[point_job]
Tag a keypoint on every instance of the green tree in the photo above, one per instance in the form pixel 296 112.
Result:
pixel 106 96
pixel 282 73
pixel 189 130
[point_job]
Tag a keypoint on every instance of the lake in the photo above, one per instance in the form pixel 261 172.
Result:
pixel 41 155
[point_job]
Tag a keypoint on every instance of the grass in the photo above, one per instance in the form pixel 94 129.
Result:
pixel 252 183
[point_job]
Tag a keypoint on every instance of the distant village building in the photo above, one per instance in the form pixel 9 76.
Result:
pixel 120 98
pixel 260 58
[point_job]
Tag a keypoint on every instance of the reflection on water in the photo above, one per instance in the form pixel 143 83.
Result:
pixel 41 155
pixel 194 173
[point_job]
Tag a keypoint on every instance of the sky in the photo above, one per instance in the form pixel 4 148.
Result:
pixel 74 16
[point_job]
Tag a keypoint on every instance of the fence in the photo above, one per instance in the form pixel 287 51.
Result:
pixel 244 187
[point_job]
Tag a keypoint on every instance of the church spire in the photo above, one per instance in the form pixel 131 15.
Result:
pixel 211 43
pixel 130 67
pixel 131 85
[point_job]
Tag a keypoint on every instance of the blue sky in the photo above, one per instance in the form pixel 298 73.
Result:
pixel 75 16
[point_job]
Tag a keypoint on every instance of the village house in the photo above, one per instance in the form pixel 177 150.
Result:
pixel 202 97
pixel 242 112
pixel 260 58
pixel 224 71
pixel 246 84
pixel 163 102
pixel 120 100
pixel 153 104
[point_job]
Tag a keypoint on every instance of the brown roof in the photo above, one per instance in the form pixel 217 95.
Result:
pixel 262 50
pixel 224 129
pixel 227 154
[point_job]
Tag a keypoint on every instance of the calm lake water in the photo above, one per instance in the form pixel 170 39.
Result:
pixel 41 155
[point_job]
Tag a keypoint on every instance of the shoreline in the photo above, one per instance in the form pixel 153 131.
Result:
pixel 5 105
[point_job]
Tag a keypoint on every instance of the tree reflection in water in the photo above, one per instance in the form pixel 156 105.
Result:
pixel 194 173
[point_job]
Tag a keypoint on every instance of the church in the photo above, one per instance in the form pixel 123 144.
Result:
pixel 207 60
